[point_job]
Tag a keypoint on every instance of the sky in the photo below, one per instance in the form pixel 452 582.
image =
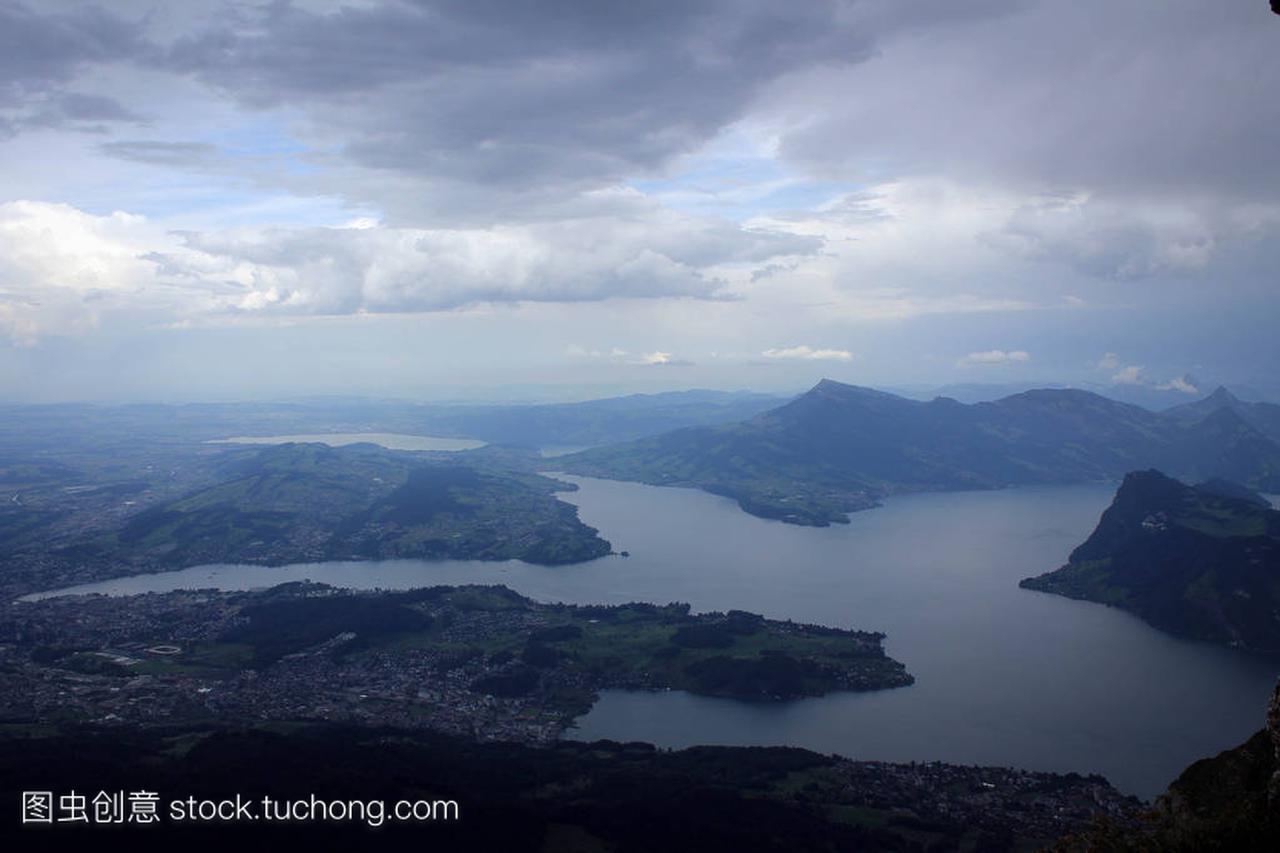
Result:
pixel 497 199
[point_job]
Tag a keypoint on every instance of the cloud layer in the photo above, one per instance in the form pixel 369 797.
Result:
pixel 907 180
pixel 60 267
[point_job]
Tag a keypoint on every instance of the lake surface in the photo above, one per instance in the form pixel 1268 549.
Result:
pixel 1004 675
pixel 389 440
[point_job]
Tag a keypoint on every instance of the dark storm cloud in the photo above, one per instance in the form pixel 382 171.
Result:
pixel 38 51
pixel 160 153
pixel 77 111
pixel 494 108
pixel 571 94
pixel 1169 99
pixel 1137 140
pixel 566 95
pixel 76 106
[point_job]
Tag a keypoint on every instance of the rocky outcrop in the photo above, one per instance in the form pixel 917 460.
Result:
pixel 1230 802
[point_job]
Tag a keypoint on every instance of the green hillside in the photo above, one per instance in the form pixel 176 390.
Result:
pixel 1188 559
pixel 305 502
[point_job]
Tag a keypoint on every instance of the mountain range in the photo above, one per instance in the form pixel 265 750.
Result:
pixel 840 448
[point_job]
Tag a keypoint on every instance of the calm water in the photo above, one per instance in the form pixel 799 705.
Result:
pixel 1004 675
pixel 390 440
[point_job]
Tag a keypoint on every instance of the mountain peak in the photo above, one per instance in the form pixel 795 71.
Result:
pixel 836 405
pixel 1222 397
pixel 830 387
pixel 833 385
pixel 1147 483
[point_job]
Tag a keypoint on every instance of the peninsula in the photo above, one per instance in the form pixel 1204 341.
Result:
pixel 1201 562
pixel 475 660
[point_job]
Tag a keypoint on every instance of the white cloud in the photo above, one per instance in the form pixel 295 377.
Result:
pixel 1183 384
pixel 617 355
pixel 1134 374
pixel 651 253
pixel 806 352
pixel 910 252
pixel 58 246
pixel 388 270
pixel 62 268
pixel 1137 375
pixel 1111 239
pixel 995 356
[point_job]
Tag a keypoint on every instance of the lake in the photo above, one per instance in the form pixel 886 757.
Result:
pixel 1004 675
pixel 390 440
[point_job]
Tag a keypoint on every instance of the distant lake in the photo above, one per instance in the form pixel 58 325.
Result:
pixel 552 452
pixel 1004 675
pixel 389 440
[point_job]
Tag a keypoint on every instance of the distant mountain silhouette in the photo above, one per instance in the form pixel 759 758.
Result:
pixel 1264 417
pixel 839 448
pixel 1228 489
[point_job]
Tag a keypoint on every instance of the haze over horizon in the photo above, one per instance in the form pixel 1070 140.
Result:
pixel 484 200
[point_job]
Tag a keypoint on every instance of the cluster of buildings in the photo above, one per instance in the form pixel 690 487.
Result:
pixel 157 658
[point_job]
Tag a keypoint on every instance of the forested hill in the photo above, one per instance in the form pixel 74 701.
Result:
pixel 1190 560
